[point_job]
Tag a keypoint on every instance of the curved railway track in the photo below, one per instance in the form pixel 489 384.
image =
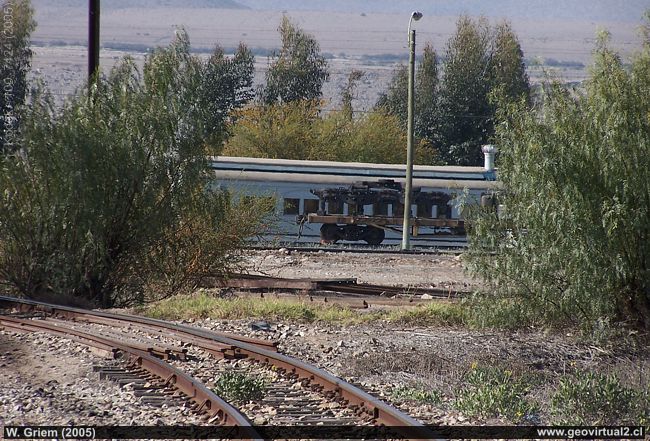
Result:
pixel 310 389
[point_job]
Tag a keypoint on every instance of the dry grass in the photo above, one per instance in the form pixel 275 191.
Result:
pixel 203 304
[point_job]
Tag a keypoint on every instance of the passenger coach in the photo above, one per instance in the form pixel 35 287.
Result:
pixel 369 207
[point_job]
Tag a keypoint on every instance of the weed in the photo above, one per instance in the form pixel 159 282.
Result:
pixel 203 305
pixel 418 393
pixel 590 398
pixel 494 392
pixel 239 387
pixel 434 313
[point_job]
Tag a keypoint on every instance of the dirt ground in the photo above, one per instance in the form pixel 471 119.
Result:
pixel 386 356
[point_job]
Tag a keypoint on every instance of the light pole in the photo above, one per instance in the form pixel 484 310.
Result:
pixel 406 227
pixel 93 40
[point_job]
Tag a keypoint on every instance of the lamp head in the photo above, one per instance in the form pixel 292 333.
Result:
pixel 416 15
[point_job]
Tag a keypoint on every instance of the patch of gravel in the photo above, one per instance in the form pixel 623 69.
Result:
pixel 420 270
pixel 381 357
pixel 47 380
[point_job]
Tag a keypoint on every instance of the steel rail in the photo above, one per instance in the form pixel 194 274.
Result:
pixel 335 388
pixel 101 317
pixel 207 400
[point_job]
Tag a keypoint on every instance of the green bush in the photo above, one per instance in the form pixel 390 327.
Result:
pixel 418 393
pixel 590 398
pixel 494 392
pixel 239 387
pixel 571 241
pixel 107 198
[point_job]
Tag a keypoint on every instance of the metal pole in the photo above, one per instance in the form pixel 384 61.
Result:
pixel 406 245
pixel 93 40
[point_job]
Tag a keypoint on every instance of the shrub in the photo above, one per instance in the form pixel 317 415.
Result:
pixel 418 393
pixel 590 398
pixel 108 196
pixel 572 240
pixel 494 392
pixel 239 387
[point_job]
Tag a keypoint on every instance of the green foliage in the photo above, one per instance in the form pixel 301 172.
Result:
pixel 227 86
pixel 571 244
pixel 466 116
pixel 596 399
pixel 275 131
pixel 107 196
pixel 16 26
pixel 494 392
pixel 455 114
pixel 426 96
pixel 394 100
pixel 296 130
pixel 298 71
pixel 348 92
pixel 507 67
pixel 417 393
pixel 239 387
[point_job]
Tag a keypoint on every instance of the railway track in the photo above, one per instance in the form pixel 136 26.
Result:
pixel 190 359
pixel 340 286
pixel 453 247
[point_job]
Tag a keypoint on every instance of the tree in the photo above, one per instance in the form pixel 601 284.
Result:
pixel 465 110
pixel 296 130
pixel 507 67
pixel 348 92
pixel 108 198
pixel 395 101
pixel 227 86
pixel 572 241
pixel 283 130
pixel 15 62
pixel 426 96
pixel 298 71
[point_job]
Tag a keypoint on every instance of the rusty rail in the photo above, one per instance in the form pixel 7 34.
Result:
pixel 331 386
pixel 207 401
pixel 344 286
pixel 106 318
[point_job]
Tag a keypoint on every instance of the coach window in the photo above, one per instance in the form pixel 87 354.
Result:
pixel 291 206
pixel 311 206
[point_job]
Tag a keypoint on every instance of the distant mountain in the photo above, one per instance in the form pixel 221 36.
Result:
pixel 123 4
pixel 594 10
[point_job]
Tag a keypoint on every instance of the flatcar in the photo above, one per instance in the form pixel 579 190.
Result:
pixel 308 212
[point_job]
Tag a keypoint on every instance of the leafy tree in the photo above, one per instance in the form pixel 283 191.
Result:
pixel 465 111
pixel 395 101
pixel 572 241
pixel 426 96
pixel 298 71
pixel 455 115
pixel 227 86
pixel 507 66
pixel 107 199
pixel 348 92
pixel 16 26
pixel 275 131
pixel 296 130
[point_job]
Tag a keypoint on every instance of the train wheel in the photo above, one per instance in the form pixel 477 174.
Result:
pixel 329 233
pixel 374 235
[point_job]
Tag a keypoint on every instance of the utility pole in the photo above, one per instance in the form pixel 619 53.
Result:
pixel 406 227
pixel 93 40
